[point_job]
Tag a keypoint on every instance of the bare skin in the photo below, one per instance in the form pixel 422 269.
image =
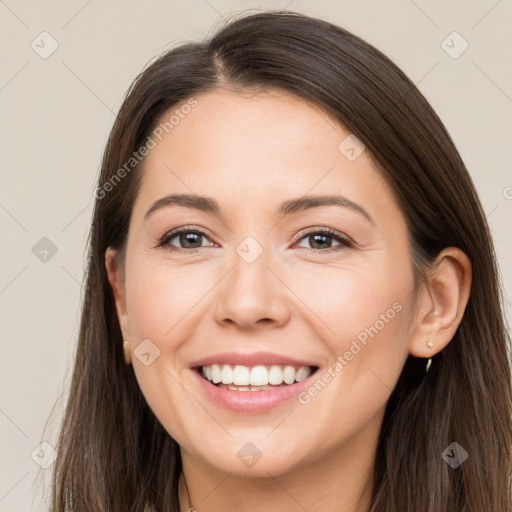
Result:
pixel 250 153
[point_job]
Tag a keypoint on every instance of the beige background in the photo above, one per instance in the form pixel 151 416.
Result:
pixel 56 113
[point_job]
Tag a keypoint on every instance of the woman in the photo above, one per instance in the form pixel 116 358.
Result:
pixel 292 299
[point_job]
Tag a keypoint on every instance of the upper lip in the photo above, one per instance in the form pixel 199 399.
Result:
pixel 253 359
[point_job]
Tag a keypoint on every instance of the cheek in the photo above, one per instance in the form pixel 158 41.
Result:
pixel 161 299
pixel 354 302
pixel 362 315
pixel 363 319
pixel 162 304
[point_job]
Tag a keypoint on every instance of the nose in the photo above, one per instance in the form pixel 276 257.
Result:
pixel 253 295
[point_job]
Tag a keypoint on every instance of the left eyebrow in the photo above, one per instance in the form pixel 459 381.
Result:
pixel 210 205
pixel 306 202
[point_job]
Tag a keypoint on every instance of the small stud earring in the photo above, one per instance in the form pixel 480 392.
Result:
pixel 429 362
pixel 127 353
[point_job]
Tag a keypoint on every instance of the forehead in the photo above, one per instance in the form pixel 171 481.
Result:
pixel 236 129
pixel 247 147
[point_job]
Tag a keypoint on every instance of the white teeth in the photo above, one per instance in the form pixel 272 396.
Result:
pixel 259 376
pixel 301 374
pixel 289 374
pixel 244 378
pixel 227 374
pixel 244 388
pixel 275 375
pixel 241 375
pixel 216 373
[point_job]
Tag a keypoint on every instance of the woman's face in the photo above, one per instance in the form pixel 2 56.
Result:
pixel 255 283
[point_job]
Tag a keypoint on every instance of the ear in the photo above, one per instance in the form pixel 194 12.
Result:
pixel 441 304
pixel 116 280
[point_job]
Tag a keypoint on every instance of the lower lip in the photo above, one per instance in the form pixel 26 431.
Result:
pixel 251 401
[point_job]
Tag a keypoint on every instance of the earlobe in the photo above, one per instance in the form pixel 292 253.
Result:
pixel 115 278
pixel 442 303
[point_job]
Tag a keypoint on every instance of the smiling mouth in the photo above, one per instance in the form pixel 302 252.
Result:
pixel 254 378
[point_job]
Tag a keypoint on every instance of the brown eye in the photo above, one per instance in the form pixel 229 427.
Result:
pixel 189 240
pixel 321 240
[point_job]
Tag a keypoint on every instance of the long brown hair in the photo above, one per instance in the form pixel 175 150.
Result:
pixel 114 455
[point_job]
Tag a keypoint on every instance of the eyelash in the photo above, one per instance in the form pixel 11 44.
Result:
pixel 344 242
